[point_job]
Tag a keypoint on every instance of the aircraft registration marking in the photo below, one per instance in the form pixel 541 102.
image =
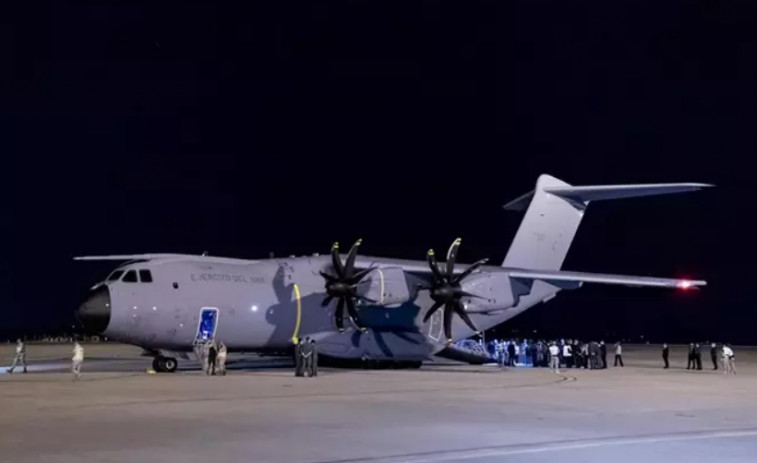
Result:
pixel 232 278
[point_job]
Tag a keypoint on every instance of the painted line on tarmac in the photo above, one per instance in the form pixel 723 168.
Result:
pixel 554 446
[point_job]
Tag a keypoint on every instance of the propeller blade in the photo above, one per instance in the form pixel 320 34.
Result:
pixel 350 265
pixel 353 313
pixel 328 277
pixel 336 261
pixel 431 311
pixel 431 259
pixel 326 301
pixel 448 309
pixel 452 257
pixel 339 314
pixel 460 310
pixel 470 270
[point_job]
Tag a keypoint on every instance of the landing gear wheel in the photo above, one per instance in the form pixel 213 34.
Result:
pixel 164 364
pixel 170 364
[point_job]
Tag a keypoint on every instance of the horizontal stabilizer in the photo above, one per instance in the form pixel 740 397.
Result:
pixel 570 280
pixel 603 192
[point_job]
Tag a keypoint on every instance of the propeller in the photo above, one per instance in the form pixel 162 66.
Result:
pixel 446 290
pixel 343 285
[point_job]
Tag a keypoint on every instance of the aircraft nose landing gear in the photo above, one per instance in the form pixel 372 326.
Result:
pixel 164 364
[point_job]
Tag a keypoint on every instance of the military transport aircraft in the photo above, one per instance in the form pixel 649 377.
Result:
pixel 398 310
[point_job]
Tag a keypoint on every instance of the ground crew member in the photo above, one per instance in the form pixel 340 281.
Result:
pixel 618 354
pixel 307 358
pixel 554 357
pixel 314 358
pixel 222 351
pixel 299 365
pixel 212 357
pixel 77 360
pixel 511 354
pixel 714 355
pixel 665 354
pixel 603 354
pixel 593 355
pixel 20 356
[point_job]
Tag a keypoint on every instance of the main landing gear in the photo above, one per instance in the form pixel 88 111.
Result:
pixel 164 364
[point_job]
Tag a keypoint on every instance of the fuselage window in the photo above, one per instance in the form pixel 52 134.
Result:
pixel 145 276
pixel 115 275
pixel 130 277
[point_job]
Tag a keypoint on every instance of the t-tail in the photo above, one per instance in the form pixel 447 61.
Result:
pixel 554 210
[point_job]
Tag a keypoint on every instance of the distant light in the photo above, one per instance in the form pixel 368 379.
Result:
pixel 254 308
pixel 685 284
pixel 154 308
pixel 135 307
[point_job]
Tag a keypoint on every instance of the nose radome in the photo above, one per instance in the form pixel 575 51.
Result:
pixel 94 313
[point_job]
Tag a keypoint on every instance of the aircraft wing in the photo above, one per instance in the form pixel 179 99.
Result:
pixel 563 279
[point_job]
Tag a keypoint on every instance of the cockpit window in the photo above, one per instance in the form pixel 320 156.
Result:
pixel 145 276
pixel 130 277
pixel 115 275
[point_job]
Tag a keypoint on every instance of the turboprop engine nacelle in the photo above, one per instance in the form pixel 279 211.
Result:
pixel 494 288
pixel 386 286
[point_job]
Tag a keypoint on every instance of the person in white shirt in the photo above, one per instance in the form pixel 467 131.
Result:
pixel 554 357
pixel 729 361
pixel 77 360
pixel 618 354
pixel 567 355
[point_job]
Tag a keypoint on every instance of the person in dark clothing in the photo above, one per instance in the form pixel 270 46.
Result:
pixel 511 354
pixel 314 358
pixel 691 363
pixel 299 365
pixel 603 354
pixel 665 354
pixel 714 355
pixel 212 354
pixel 698 356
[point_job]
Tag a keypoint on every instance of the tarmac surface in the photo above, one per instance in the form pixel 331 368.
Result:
pixel 260 412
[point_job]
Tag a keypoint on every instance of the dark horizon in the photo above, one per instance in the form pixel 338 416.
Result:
pixel 241 130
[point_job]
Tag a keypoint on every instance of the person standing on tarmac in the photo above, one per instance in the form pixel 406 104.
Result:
pixel 714 355
pixel 222 351
pixel 77 360
pixel 665 354
pixel 212 358
pixel 554 357
pixel 567 355
pixel 307 358
pixel 691 363
pixel 603 354
pixel 698 356
pixel 20 356
pixel 313 358
pixel 618 354
pixel 299 365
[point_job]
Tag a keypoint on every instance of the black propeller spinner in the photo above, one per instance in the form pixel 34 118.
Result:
pixel 343 285
pixel 446 290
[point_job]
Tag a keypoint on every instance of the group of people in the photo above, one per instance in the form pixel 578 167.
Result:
pixel 306 358
pixel 213 355
pixel 555 354
pixel 725 357
pixel 76 360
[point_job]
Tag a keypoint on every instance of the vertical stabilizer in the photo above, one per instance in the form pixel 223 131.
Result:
pixel 555 209
pixel 547 229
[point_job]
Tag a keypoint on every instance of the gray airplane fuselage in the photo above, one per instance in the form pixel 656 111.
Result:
pixel 264 305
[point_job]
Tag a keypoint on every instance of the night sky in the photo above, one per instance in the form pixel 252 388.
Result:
pixel 281 126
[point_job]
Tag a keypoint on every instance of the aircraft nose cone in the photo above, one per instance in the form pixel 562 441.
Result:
pixel 94 313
